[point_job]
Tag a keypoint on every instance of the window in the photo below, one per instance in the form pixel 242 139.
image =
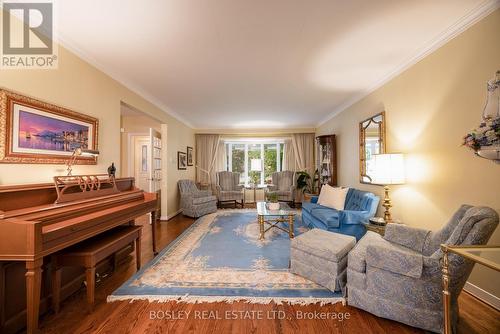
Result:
pixel 255 161
pixel 238 160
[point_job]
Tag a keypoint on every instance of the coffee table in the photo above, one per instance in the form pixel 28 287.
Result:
pixel 487 255
pixel 274 217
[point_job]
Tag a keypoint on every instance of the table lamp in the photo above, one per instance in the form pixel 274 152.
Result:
pixel 388 170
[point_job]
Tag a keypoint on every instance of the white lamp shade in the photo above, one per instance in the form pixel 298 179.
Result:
pixel 256 165
pixel 389 168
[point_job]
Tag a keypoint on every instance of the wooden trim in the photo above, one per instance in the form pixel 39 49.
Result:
pixel 483 295
pixel 168 217
pixel 332 141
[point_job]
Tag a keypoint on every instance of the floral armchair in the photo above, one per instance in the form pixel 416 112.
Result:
pixel 229 188
pixel 398 276
pixel 194 202
pixel 284 185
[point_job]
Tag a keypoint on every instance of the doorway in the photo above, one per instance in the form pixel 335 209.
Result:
pixel 141 164
pixel 141 152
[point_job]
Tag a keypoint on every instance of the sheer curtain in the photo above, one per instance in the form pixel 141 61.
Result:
pixel 303 147
pixel 299 155
pixel 288 156
pixel 209 157
pixel 220 159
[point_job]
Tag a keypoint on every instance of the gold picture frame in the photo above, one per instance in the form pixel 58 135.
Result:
pixel 377 137
pixel 64 131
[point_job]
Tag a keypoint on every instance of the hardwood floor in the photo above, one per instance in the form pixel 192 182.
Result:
pixel 135 317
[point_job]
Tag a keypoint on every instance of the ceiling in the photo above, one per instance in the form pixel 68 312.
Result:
pixel 258 64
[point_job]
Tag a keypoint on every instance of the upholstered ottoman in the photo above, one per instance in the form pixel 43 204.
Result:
pixel 321 257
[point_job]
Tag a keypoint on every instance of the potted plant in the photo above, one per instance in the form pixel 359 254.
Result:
pixel 272 198
pixel 307 184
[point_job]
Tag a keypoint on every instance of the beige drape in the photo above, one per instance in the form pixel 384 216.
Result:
pixel 303 147
pixel 220 160
pixel 207 157
pixel 288 156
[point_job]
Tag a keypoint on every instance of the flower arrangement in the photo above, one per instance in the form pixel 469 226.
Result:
pixel 487 134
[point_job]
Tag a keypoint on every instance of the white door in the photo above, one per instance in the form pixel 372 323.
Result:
pixel 155 174
pixel 142 164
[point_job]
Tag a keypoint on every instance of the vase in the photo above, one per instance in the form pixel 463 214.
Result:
pixel 274 206
pixel 490 153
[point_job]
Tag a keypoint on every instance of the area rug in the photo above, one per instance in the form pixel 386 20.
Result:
pixel 221 259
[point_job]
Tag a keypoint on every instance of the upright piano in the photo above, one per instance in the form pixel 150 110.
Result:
pixel 37 220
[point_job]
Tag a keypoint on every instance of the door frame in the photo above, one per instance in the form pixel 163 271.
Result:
pixel 131 151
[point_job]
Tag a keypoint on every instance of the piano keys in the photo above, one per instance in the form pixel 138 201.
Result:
pixel 37 220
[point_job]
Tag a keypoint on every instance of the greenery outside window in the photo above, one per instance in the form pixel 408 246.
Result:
pixel 241 152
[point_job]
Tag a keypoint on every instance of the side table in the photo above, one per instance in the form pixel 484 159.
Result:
pixel 380 229
pixel 254 188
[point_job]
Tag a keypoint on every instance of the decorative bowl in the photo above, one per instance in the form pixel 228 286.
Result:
pixel 274 206
pixel 490 152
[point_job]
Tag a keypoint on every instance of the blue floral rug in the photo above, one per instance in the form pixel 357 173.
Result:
pixel 220 258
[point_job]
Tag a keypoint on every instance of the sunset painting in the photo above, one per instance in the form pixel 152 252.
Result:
pixel 37 132
pixel 46 133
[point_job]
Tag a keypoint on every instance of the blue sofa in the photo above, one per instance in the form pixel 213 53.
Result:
pixel 359 207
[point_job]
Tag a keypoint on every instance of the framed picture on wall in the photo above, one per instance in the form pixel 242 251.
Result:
pixel 35 132
pixel 181 160
pixel 189 156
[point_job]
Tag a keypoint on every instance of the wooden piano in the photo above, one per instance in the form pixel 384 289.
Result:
pixel 37 220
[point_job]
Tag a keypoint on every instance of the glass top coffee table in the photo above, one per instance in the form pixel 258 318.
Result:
pixel 273 218
pixel 486 255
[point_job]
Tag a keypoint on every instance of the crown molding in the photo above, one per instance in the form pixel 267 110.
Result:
pixel 468 20
pixel 252 130
pixel 67 43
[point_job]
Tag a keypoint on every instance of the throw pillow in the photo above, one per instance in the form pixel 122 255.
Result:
pixel 333 197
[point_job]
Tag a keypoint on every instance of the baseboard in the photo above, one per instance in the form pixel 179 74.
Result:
pixel 482 295
pixel 168 217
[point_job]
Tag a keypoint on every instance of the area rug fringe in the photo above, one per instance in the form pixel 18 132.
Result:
pixel 190 299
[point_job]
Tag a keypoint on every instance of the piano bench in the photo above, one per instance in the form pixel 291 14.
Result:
pixel 89 253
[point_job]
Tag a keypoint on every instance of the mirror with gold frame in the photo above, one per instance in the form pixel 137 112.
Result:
pixel 371 141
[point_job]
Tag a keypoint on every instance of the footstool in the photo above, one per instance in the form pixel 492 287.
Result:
pixel 321 257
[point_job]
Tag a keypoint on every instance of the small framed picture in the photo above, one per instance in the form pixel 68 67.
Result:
pixel 189 156
pixel 181 160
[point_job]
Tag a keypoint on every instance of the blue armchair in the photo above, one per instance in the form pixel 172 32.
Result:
pixel 359 207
